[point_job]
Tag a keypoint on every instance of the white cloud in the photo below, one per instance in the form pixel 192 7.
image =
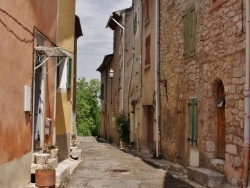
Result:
pixel 97 40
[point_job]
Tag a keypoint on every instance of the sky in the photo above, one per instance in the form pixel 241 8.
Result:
pixel 97 40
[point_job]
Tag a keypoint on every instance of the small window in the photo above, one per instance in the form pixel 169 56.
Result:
pixel 147 47
pixel 147 10
pixel 102 91
pixel 64 73
pixel 189 19
pixel 69 73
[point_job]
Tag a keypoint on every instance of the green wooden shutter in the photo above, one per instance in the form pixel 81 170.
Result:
pixel 192 31
pixel 193 121
pixel 189 19
pixel 69 72
pixel 185 20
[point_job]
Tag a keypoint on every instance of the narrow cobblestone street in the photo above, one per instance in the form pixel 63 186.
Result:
pixel 106 166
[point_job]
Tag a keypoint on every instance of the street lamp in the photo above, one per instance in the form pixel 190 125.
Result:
pixel 111 73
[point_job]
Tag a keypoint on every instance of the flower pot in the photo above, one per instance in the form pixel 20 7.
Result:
pixel 53 153
pixel 45 178
pixel 41 158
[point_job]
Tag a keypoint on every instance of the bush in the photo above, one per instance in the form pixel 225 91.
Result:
pixel 123 126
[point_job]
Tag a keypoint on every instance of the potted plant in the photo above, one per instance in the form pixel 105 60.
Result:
pixel 46 175
pixel 51 149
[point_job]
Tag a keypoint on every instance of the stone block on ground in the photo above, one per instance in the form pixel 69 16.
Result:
pixel 206 177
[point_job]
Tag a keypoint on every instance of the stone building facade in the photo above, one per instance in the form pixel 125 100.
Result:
pixel 115 89
pixel 202 70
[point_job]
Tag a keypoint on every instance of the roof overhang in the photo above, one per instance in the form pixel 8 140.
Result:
pixel 111 23
pixel 105 63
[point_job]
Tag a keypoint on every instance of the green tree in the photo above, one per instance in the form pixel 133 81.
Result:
pixel 88 107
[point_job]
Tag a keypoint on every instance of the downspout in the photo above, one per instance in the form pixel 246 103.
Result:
pixel 133 52
pixel 247 101
pixel 157 75
pixel 33 91
pixel 141 29
pixel 132 126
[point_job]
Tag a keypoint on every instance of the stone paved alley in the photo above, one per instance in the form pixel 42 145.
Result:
pixel 106 166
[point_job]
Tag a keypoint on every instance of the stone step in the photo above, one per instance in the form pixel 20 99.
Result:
pixel 206 177
pixel 177 168
pixel 62 174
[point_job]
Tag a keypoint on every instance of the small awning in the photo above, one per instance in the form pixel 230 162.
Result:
pixel 49 52
pixel 52 51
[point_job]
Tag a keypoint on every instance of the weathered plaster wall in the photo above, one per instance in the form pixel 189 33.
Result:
pixel 148 75
pixel 135 86
pixel 66 33
pixel 16 173
pixel 220 54
pixel 16 67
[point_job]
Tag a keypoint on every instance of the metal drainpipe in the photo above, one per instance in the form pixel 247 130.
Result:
pixel 157 88
pixel 247 101
pixel 132 126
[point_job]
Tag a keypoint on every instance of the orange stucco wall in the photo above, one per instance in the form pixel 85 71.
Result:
pixel 18 17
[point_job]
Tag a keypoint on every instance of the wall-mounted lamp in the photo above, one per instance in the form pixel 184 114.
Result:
pixel 111 73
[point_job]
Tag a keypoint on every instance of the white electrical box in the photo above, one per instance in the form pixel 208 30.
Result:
pixel 27 98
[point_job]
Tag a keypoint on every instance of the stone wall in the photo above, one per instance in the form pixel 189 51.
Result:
pixel 219 57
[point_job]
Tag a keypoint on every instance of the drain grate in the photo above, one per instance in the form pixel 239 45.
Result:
pixel 119 170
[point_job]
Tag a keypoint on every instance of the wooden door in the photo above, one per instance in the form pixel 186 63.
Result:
pixel 181 133
pixel 150 128
pixel 221 121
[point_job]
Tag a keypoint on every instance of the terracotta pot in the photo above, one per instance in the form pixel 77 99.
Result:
pixel 45 178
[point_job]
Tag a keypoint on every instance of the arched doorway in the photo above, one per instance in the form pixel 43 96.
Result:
pixel 221 144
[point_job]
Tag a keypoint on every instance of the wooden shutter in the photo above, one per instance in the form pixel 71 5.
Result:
pixel 147 46
pixel 192 31
pixel 189 19
pixel 186 34
pixel 193 121
pixel 69 72
pixel 147 7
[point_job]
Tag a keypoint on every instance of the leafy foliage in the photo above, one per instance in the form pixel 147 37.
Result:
pixel 87 107
pixel 123 125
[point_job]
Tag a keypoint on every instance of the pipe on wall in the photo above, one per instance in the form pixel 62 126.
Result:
pixel 247 101
pixel 157 74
